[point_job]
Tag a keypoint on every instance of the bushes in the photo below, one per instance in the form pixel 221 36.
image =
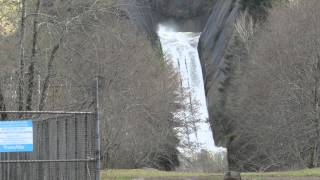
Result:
pixel 272 99
pixel 258 9
pixel 205 161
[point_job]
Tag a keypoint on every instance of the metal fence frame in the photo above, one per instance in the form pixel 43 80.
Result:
pixel 97 140
pixel 97 159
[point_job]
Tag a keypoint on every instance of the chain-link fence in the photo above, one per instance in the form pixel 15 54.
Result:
pixel 65 147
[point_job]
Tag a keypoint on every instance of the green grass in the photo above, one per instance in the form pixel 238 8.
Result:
pixel 122 174
pixel 134 173
pixel 297 173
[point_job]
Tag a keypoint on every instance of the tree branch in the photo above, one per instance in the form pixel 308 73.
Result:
pixel 49 73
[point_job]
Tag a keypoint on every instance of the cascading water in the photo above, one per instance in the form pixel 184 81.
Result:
pixel 181 49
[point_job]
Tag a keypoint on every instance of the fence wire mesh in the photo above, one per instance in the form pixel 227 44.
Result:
pixel 64 148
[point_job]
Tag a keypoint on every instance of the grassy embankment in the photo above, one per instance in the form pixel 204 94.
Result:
pixel 135 173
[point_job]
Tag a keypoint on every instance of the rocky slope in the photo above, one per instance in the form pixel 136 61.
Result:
pixel 188 15
pixel 213 44
pixel 222 51
pixel 217 37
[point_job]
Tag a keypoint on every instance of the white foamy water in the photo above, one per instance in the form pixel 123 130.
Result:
pixel 181 49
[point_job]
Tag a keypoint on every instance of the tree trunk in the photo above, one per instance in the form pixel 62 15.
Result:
pixel 2 104
pixel 314 156
pixel 31 69
pixel 21 62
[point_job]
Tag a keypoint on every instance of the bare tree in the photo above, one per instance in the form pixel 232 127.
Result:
pixel 271 101
pixel 66 44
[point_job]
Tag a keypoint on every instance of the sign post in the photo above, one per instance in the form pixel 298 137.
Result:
pixel 16 136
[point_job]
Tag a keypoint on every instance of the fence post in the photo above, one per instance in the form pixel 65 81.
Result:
pixel 98 148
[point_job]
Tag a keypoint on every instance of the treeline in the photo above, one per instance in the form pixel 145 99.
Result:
pixel 51 55
pixel 269 102
pixel 204 161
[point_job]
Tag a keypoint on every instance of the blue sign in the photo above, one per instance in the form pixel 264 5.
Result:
pixel 16 136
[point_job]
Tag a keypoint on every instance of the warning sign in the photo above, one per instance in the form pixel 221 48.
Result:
pixel 16 136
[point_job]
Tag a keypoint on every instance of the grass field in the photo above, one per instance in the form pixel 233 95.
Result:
pixel 154 174
pixel 135 173
pixel 299 173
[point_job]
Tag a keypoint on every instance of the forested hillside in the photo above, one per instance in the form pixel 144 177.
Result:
pixel 260 61
pixel 263 88
pixel 51 52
